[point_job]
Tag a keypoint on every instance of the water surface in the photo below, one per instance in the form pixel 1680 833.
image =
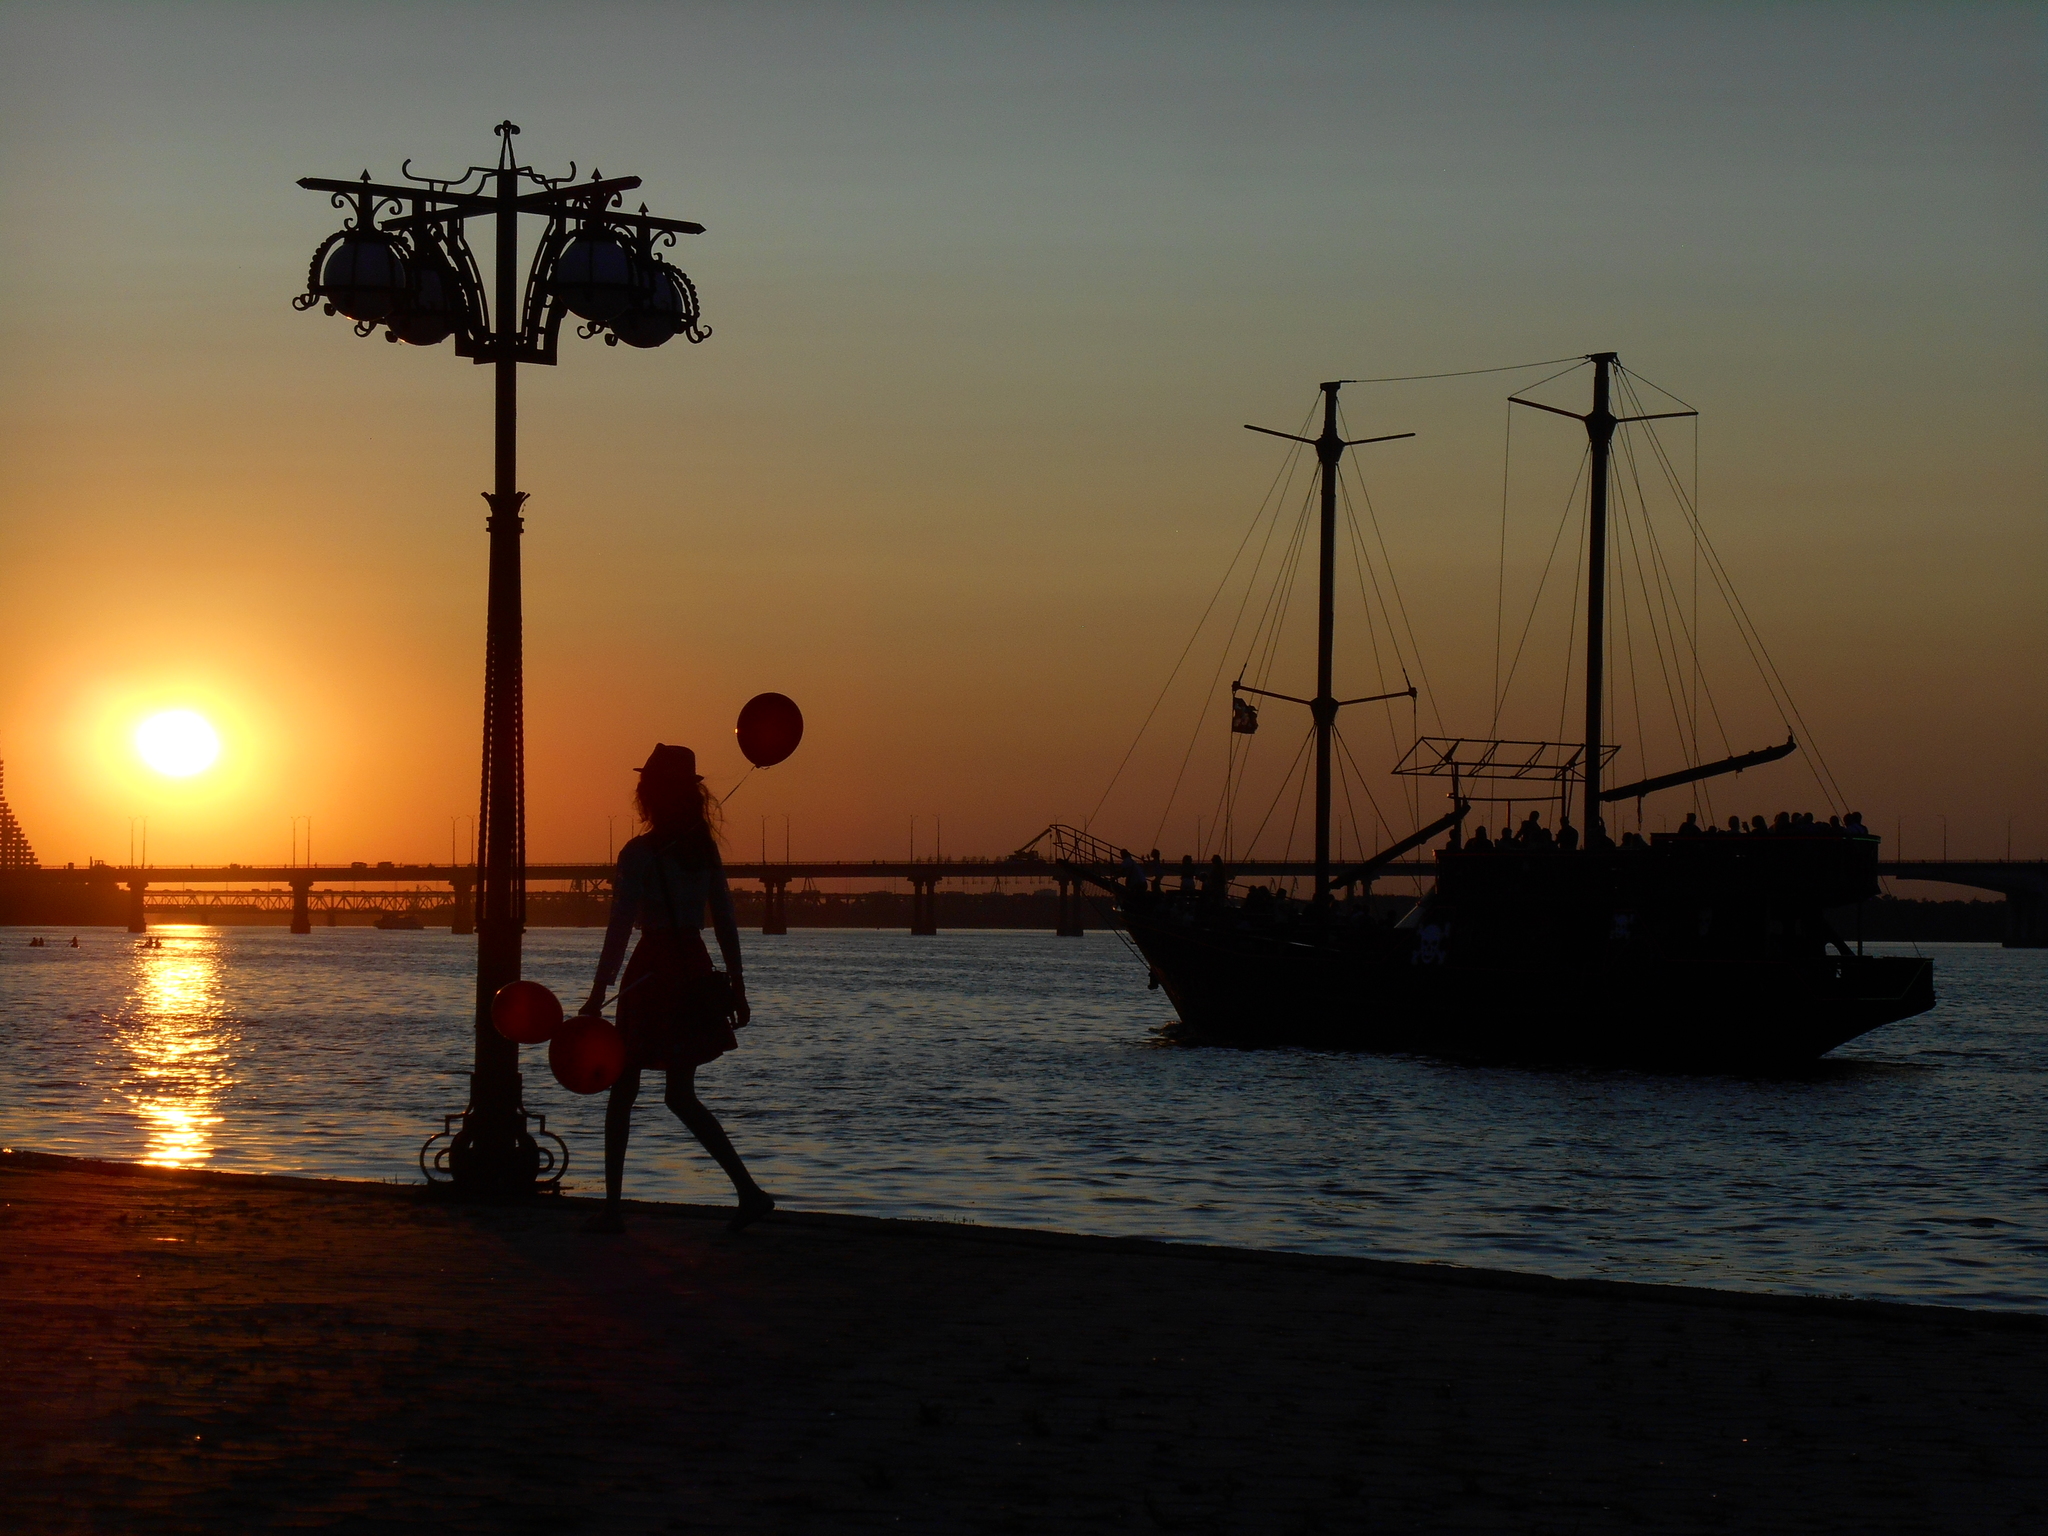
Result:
pixel 1016 1078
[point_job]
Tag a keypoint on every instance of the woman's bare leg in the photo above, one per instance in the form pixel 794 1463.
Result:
pixel 618 1127
pixel 682 1097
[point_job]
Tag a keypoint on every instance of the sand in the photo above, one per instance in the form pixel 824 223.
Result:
pixel 209 1352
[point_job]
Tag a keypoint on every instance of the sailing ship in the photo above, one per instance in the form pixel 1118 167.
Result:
pixel 1692 950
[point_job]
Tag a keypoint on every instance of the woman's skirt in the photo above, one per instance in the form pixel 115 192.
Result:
pixel 653 1015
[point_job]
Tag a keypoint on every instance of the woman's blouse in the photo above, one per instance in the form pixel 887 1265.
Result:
pixel 655 889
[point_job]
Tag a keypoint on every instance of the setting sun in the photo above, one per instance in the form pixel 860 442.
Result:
pixel 177 743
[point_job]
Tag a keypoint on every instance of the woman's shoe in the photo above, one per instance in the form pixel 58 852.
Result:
pixel 606 1220
pixel 752 1208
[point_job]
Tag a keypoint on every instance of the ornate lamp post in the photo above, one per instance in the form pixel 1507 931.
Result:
pixel 414 276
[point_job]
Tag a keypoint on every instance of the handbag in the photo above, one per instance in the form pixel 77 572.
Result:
pixel 708 999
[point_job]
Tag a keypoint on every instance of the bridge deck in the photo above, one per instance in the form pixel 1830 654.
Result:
pixel 2011 876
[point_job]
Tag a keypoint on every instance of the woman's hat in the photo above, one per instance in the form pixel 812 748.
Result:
pixel 672 762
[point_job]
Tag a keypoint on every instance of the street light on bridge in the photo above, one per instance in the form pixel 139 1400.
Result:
pixel 414 276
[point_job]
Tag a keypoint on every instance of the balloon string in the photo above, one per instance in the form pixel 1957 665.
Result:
pixel 736 788
pixel 613 1000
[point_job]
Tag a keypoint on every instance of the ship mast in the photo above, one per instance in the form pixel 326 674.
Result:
pixel 1323 708
pixel 1600 423
pixel 1600 437
pixel 1329 446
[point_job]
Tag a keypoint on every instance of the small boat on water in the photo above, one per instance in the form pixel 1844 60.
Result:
pixel 1697 949
pixel 407 921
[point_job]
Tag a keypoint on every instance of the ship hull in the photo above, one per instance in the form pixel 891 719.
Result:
pixel 1246 989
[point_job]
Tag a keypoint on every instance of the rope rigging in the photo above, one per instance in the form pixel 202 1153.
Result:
pixel 1652 602
pixel 1651 599
pixel 1280 476
pixel 1263 652
pixel 1466 373
pixel 1767 668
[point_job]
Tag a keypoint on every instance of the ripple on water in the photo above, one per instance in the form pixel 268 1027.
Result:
pixel 1018 1078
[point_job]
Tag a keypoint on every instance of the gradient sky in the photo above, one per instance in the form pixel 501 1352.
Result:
pixel 993 288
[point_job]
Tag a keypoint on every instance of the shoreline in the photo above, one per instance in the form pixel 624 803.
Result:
pixel 1528 1282
pixel 195 1350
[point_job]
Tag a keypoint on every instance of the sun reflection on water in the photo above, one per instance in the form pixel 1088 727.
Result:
pixel 177 1041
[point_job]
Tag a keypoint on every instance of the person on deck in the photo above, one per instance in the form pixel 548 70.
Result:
pixel 1568 838
pixel 1690 827
pixel 665 879
pixel 1133 873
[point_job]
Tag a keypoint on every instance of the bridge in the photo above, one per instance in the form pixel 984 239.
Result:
pixel 775 878
pixel 2022 882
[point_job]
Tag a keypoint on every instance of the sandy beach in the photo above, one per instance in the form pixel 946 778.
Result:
pixel 213 1352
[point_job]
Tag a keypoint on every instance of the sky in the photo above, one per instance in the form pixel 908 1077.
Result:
pixel 993 291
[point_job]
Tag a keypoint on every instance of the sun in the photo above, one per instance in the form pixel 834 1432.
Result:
pixel 177 743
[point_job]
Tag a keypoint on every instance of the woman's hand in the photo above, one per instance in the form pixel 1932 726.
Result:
pixel 742 1013
pixel 593 1003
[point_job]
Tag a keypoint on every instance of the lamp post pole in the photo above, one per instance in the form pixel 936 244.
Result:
pixel 493 1151
pixel 415 275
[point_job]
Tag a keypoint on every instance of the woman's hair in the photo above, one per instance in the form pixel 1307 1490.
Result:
pixel 680 810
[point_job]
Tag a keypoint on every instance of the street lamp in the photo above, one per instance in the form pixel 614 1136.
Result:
pixel 413 275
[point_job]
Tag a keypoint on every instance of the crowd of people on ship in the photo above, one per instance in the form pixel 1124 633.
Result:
pixel 1196 889
pixel 1201 886
pixel 1532 835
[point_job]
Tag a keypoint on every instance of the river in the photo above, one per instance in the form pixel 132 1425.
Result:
pixel 1016 1078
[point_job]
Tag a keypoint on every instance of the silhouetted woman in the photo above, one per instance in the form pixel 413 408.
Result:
pixel 665 879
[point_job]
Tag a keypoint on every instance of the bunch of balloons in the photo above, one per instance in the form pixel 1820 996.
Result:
pixel 586 1053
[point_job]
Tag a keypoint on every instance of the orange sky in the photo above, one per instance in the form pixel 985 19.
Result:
pixel 992 293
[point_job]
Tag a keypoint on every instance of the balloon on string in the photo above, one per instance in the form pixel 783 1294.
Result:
pixel 770 727
pixel 527 1012
pixel 587 1054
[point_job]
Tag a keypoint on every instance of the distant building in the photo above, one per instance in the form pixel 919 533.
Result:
pixel 15 852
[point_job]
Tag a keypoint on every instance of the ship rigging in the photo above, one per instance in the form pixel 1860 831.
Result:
pixel 1694 948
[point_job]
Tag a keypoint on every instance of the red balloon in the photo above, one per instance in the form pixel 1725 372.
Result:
pixel 587 1054
pixel 527 1012
pixel 770 727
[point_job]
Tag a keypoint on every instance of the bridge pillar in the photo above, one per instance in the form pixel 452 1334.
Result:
pixel 2026 920
pixel 302 918
pixel 138 920
pixel 774 905
pixel 924 905
pixel 464 918
pixel 1070 922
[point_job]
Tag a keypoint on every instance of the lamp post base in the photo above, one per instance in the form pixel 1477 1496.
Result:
pixel 494 1153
